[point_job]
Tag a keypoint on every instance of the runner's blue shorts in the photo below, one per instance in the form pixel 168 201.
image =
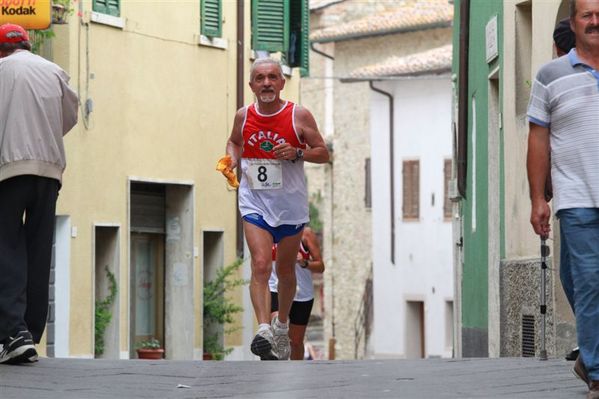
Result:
pixel 277 233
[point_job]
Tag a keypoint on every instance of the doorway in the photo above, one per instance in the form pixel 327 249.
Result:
pixel 147 289
pixel 415 343
pixel 161 279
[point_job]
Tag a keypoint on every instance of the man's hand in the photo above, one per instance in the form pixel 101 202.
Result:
pixel 285 151
pixel 539 218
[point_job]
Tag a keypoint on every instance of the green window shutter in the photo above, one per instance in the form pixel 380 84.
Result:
pixel 110 7
pixel 211 14
pixel 299 45
pixel 270 25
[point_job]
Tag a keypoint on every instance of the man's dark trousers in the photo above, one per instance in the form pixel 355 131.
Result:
pixel 27 218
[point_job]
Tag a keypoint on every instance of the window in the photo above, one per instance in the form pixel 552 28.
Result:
pixel 283 26
pixel 299 41
pixel 447 178
pixel 211 14
pixel 411 189
pixel 367 185
pixel 110 7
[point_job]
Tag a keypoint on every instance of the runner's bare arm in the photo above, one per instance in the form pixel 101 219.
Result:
pixel 316 264
pixel 305 124
pixel 235 141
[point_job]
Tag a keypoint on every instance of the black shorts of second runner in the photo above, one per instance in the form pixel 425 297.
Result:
pixel 279 232
pixel 300 311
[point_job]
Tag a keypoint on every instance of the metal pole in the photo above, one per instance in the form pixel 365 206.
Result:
pixel 543 307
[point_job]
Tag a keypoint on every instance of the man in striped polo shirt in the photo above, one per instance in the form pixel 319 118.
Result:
pixel 564 123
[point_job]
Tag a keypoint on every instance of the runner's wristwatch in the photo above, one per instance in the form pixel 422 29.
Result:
pixel 299 153
pixel 304 263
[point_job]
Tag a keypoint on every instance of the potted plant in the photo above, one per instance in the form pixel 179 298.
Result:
pixel 150 349
pixel 219 310
pixel 61 10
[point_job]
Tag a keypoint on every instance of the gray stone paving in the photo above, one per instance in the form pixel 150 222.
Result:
pixel 431 378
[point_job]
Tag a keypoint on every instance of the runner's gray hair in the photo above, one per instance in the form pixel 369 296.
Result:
pixel 263 61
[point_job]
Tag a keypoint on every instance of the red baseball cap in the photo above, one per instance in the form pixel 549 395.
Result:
pixel 11 33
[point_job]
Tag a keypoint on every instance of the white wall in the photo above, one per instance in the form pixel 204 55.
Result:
pixel 423 266
pixel 62 286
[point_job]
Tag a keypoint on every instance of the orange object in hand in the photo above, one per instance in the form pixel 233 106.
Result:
pixel 224 166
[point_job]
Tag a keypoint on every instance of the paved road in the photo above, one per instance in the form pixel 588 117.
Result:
pixel 431 378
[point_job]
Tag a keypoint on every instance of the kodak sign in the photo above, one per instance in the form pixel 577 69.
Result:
pixel 30 14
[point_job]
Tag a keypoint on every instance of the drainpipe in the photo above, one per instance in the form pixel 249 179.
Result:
pixel 391 165
pixel 240 101
pixel 330 57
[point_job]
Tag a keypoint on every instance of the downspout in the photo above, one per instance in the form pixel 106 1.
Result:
pixel 239 104
pixel 463 96
pixel 461 166
pixel 330 57
pixel 391 165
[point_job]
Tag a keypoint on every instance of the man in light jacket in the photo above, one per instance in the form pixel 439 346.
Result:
pixel 37 108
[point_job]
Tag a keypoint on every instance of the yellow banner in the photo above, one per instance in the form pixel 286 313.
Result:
pixel 30 14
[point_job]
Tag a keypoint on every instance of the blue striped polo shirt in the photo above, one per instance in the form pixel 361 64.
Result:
pixel 565 99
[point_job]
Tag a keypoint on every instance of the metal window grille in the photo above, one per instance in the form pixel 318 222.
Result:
pixel 528 336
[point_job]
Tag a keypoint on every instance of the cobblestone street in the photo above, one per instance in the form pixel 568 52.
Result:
pixel 431 378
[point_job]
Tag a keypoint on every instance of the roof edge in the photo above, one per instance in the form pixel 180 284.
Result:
pixel 435 73
pixel 353 36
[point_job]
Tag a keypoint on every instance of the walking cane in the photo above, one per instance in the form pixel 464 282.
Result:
pixel 543 307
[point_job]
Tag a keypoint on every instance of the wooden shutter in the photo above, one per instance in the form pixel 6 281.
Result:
pixel 411 189
pixel 110 7
pixel 211 14
pixel 299 26
pixel 447 178
pixel 270 25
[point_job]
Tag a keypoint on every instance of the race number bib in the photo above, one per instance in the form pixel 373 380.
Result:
pixel 265 174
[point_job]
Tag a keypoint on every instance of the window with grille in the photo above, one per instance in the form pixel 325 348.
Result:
pixel 528 336
pixel 446 177
pixel 411 189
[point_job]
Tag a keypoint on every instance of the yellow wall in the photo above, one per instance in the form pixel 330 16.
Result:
pixel 163 109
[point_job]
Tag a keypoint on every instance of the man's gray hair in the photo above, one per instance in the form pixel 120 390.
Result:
pixel 265 61
pixel 572 8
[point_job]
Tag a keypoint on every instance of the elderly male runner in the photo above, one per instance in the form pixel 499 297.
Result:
pixel 273 138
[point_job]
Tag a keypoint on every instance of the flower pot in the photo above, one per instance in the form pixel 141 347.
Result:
pixel 59 14
pixel 152 354
pixel 207 356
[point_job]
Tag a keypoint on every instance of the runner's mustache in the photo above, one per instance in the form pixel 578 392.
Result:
pixel 592 29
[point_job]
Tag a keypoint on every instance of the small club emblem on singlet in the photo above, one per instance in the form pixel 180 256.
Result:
pixel 267 146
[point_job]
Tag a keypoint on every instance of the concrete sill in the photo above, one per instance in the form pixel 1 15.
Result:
pixel 216 42
pixel 105 19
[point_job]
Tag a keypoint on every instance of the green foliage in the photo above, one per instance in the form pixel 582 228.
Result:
pixel 38 37
pixel 103 312
pixel 151 343
pixel 219 309
pixel 65 3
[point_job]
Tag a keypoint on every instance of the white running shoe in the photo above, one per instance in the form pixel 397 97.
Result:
pixel 281 340
pixel 263 345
